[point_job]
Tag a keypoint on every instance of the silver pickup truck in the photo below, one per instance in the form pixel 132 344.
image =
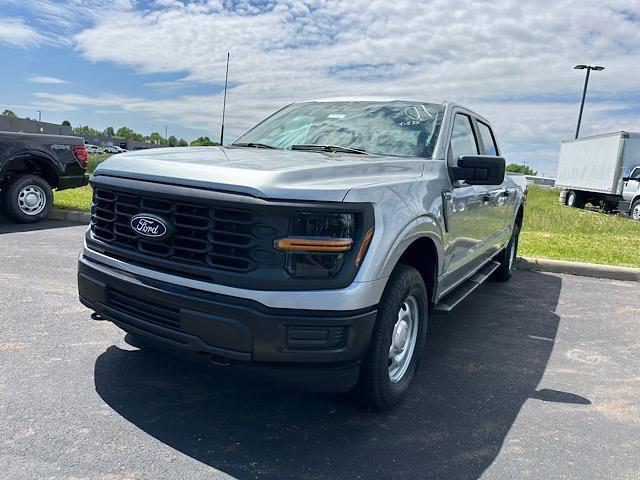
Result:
pixel 311 249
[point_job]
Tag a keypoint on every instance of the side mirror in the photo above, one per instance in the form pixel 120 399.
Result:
pixel 626 179
pixel 480 169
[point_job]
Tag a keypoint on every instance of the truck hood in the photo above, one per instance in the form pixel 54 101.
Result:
pixel 264 173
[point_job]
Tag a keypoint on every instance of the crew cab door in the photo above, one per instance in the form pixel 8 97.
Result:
pixel 501 198
pixel 470 219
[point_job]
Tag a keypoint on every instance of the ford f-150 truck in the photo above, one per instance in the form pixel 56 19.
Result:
pixel 31 165
pixel 312 248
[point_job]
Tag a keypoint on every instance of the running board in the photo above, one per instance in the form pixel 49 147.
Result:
pixel 465 288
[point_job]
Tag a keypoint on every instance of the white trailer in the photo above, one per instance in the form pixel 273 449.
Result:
pixel 603 170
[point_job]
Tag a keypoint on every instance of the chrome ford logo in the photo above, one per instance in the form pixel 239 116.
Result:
pixel 149 226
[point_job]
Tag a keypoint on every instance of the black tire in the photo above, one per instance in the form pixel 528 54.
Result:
pixel 507 257
pixel 18 197
pixel 375 389
pixel 634 211
pixel 574 200
pixel 606 207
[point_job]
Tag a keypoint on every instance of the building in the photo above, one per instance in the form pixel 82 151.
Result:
pixel 103 141
pixel 26 125
pixel 543 181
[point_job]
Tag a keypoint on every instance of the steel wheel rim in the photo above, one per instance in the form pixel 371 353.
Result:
pixel 403 339
pixel 636 212
pixel 572 199
pixel 31 199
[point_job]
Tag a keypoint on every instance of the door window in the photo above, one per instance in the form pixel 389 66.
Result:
pixel 463 140
pixel 488 141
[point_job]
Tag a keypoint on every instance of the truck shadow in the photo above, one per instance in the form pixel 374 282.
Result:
pixel 482 362
pixel 8 226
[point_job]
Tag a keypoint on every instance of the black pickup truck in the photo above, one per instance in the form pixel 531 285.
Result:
pixel 32 165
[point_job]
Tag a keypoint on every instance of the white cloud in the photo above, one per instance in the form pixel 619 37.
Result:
pixel 15 33
pixel 47 80
pixel 510 60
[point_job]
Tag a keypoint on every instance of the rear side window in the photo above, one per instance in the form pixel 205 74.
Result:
pixel 463 141
pixel 488 141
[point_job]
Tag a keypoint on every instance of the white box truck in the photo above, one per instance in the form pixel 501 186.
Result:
pixel 603 170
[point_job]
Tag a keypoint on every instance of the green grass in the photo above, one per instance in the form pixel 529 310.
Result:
pixel 555 231
pixel 73 199
pixel 550 230
pixel 79 198
pixel 95 159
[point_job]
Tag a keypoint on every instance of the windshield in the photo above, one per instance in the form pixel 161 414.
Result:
pixel 383 128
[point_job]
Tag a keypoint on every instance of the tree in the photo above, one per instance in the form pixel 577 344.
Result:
pixel 156 138
pixel 173 141
pixel 517 168
pixel 66 123
pixel 203 142
pixel 109 132
pixel 9 113
pixel 87 131
pixel 183 143
pixel 125 132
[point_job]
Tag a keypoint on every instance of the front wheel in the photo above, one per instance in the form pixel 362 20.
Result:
pixel 635 210
pixel 28 199
pixel 396 342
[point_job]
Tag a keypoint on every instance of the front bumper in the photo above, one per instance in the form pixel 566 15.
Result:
pixel 284 343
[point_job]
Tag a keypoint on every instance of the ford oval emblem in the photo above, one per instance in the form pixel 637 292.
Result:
pixel 149 226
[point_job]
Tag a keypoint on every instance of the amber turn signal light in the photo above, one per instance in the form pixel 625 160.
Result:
pixel 364 247
pixel 302 244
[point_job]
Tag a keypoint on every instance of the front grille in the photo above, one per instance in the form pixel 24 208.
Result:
pixel 213 236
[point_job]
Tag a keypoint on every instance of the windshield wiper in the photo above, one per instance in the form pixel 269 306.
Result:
pixel 328 148
pixel 254 145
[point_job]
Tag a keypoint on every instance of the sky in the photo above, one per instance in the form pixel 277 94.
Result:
pixel 147 64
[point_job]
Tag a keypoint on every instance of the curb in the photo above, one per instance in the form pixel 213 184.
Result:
pixel 70 216
pixel 612 272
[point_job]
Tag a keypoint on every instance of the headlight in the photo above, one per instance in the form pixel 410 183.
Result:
pixel 318 243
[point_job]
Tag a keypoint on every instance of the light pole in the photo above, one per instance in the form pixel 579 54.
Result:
pixel 39 119
pixel 588 68
pixel 165 135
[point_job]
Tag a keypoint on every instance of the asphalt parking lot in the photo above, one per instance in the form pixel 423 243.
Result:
pixel 537 378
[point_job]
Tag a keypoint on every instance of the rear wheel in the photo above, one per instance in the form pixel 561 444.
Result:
pixel 28 199
pixel 635 210
pixel 396 342
pixel 574 200
pixel 507 257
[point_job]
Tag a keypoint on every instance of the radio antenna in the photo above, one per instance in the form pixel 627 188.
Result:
pixel 224 101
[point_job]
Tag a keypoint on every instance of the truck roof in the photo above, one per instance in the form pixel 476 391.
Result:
pixel 372 99
pixel 600 135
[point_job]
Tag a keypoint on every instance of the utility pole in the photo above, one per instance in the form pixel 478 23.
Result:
pixel 588 68
pixel 165 135
pixel 39 119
